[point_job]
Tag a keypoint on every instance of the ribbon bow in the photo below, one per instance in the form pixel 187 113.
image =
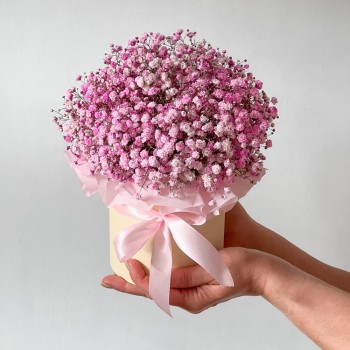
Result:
pixel 162 226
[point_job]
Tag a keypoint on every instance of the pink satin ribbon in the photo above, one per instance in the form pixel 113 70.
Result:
pixel 174 219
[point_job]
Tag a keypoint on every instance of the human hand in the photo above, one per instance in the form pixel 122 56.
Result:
pixel 193 289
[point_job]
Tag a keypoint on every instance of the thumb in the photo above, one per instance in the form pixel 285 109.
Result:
pixel 188 277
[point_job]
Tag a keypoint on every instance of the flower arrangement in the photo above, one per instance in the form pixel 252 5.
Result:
pixel 165 114
pixel 181 121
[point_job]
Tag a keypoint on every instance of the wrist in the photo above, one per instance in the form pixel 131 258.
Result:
pixel 258 264
pixel 249 269
pixel 284 282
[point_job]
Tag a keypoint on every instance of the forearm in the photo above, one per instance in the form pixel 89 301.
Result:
pixel 243 231
pixel 270 242
pixel 319 310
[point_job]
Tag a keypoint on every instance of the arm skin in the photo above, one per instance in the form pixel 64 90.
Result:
pixel 242 231
pixel 313 295
pixel 320 310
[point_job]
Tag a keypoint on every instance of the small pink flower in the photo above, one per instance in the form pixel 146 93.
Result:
pixel 144 163
pixel 173 132
pixel 242 138
pixel 195 155
pixel 207 181
pixel 240 127
pixel 153 161
pixel 258 84
pixel 113 95
pixel 255 143
pixel 191 34
pixel 216 168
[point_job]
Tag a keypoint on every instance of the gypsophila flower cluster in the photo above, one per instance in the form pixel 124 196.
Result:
pixel 164 113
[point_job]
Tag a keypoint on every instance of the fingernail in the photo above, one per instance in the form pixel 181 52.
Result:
pixel 127 265
pixel 106 285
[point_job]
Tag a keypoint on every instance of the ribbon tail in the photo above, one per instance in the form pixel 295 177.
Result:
pixel 130 240
pixel 199 249
pixel 160 272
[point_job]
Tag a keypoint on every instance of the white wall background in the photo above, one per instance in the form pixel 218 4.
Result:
pixel 54 241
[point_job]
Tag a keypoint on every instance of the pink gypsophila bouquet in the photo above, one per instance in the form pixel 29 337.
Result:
pixel 163 114
pixel 182 122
